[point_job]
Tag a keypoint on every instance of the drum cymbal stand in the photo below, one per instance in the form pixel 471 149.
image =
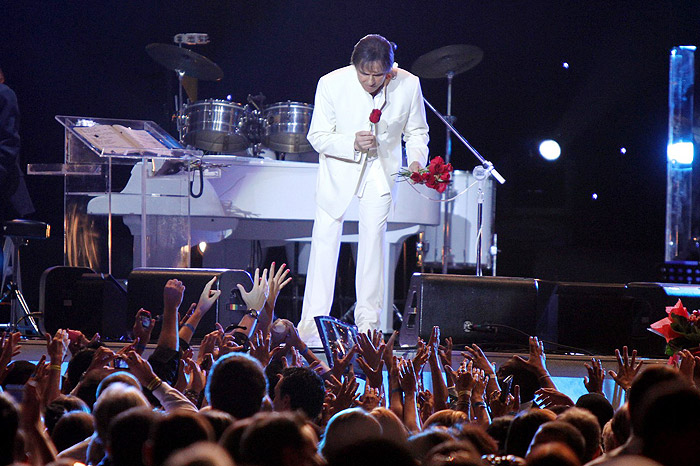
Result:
pixel 487 168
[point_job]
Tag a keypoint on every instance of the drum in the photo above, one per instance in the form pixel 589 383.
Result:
pixel 286 125
pixel 215 125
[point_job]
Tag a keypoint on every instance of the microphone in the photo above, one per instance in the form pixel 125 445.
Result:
pixel 484 328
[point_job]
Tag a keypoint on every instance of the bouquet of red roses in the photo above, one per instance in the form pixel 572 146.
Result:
pixel 437 176
pixel 681 328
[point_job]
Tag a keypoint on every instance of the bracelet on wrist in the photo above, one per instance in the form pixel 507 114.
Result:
pixel 55 367
pixel 304 351
pixel 155 383
pixel 479 404
pixel 189 326
pixel 467 393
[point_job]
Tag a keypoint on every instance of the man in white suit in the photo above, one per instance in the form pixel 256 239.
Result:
pixel 358 156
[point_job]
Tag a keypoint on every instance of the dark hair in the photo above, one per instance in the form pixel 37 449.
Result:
pixel 522 429
pixel 373 48
pixel 9 423
pixel 236 385
pixel 127 433
pixel 562 432
pixel 305 388
pixel 586 423
pixel 71 428
pixel 60 406
pixel 176 431
pixel 266 441
pixel 219 421
pixel 598 405
pixel 642 385
pixel 478 437
pixel 372 452
pixel 498 430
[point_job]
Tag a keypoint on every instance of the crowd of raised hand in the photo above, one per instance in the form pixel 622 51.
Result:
pixel 264 398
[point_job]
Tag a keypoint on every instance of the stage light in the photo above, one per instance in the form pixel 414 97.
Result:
pixel 202 247
pixel 681 153
pixel 549 149
pixel 565 65
pixel 623 150
pixel 594 196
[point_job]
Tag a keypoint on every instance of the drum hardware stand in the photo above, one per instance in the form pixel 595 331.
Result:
pixel 17 234
pixel 486 168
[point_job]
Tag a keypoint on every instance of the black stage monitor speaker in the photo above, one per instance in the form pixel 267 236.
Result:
pixel 496 312
pixel 146 291
pixel 79 299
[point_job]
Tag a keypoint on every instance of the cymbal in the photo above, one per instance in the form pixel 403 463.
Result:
pixel 180 59
pixel 454 59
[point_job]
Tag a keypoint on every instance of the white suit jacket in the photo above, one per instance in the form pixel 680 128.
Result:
pixel 342 108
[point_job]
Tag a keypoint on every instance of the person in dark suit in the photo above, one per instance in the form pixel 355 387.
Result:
pixel 14 196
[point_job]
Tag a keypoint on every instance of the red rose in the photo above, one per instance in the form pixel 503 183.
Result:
pixel 441 187
pixel 447 168
pixel 431 182
pixel 375 116
pixel 434 168
pixel 445 177
pixel 425 176
pixel 416 177
pixel 437 160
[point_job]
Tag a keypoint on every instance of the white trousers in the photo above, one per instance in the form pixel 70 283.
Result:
pixel 374 206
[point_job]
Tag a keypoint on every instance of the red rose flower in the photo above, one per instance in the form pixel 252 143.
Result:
pixel 445 177
pixel 416 177
pixel 375 116
pixel 441 187
pixel 425 176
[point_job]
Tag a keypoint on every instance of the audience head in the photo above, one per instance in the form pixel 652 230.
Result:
pixel 372 452
pixel 60 406
pixel 481 440
pixel 236 385
pixel 670 426
pixel 560 432
pixel 454 452
pixel 119 376
pixel 9 424
pixel 552 454
pixel 73 427
pixel 446 418
pixel 175 431
pixel 620 425
pixel 231 438
pixel 392 427
pixel 421 443
pixel 347 427
pixel 219 420
pixel 598 405
pixel 498 430
pixel 528 382
pixel 643 384
pixel 115 399
pixel 300 388
pixel 18 373
pixel 522 429
pixel 587 425
pixel 278 439
pixel 200 454
pixel 127 434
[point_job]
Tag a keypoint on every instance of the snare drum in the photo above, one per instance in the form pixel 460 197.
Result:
pixel 215 125
pixel 286 125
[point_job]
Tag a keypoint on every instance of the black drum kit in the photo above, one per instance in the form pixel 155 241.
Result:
pixel 226 127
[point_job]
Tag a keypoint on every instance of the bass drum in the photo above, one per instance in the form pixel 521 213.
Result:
pixel 215 125
pixel 286 125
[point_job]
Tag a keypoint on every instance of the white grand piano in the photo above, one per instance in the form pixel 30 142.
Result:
pixel 255 199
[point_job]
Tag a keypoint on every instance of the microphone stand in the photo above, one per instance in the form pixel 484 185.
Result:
pixel 484 171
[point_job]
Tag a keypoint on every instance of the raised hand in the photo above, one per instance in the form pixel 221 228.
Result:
pixel 371 399
pixel 596 375
pixel 388 355
pixel 407 378
pixel 627 370
pixel 278 280
pixel 209 343
pixel 340 364
pixel 256 297
pixel 548 397
pixel 10 349
pixel 445 352
pixel 260 348
pixel 57 346
pixel 371 352
pixel 686 365
pixel 173 293
pixel 143 332
pixel 421 357
pixel 480 360
pixel 374 374
pixel 208 297
pixel 500 408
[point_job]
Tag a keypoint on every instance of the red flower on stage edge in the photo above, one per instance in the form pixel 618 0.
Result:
pixel 375 116
pixel 437 176
pixel 680 328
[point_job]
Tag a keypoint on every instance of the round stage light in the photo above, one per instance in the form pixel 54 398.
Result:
pixel 549 149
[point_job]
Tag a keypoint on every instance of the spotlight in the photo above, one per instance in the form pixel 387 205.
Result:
pixel 565 65
pixel 681 153
pixel 623 150
pixel 202 247
pixel 550 150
